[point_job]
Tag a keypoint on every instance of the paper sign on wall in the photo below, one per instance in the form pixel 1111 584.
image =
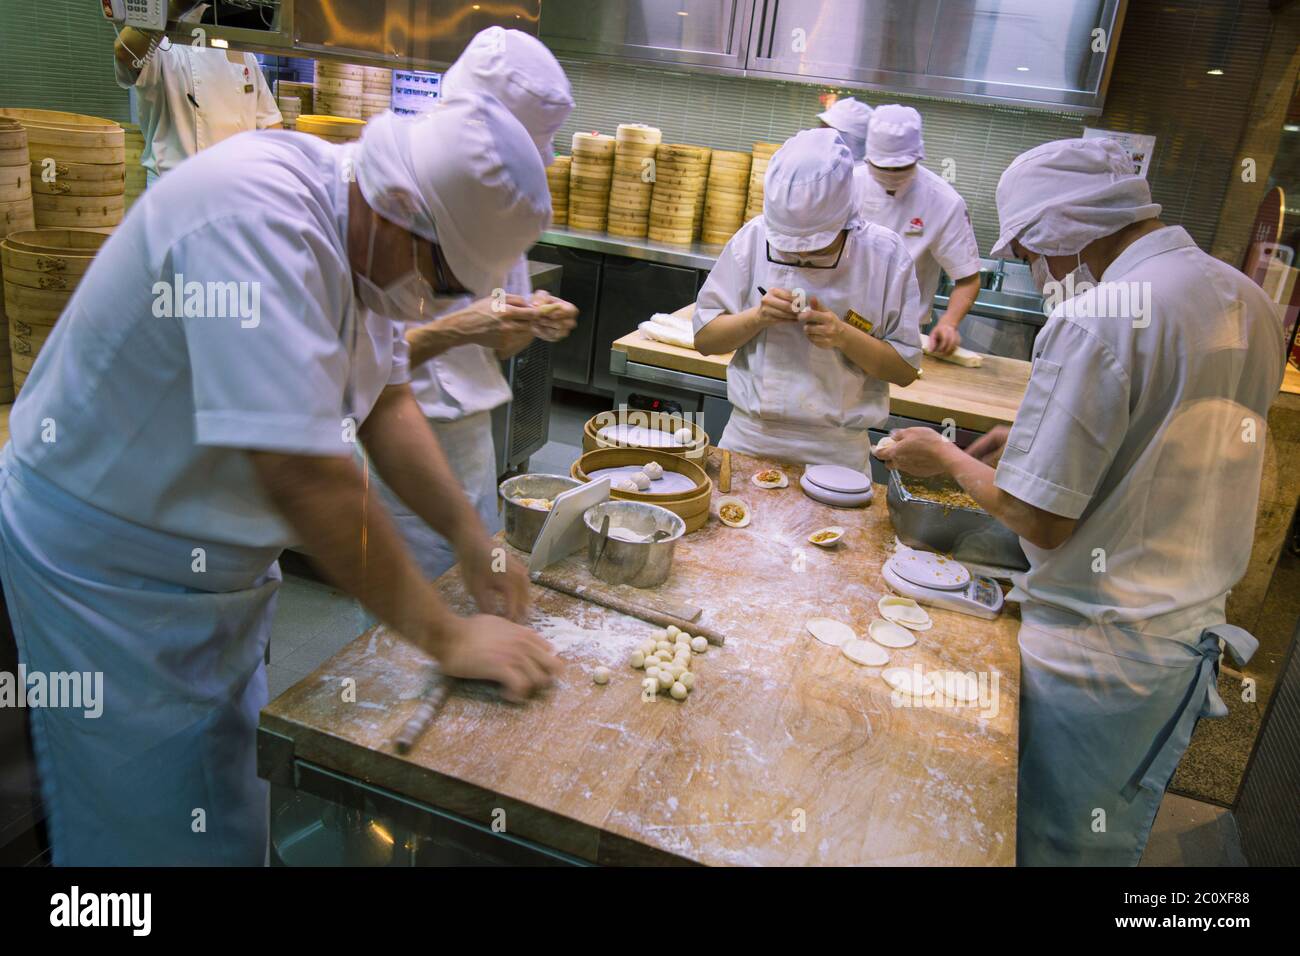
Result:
pixel 1139 147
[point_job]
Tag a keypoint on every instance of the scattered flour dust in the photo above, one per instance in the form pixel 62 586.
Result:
pixel 594 633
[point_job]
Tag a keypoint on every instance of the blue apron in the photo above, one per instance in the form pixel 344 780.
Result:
pixel 1106 713
pixel 167 773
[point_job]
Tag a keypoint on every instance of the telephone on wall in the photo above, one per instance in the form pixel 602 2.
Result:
pixel 141 14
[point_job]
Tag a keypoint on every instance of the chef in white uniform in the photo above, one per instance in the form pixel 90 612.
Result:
pixel 821 309
pixel 1132 476
pixel 190 97
pixel 456 358
pixel 901 194
pixel 851 118
pixel 196 410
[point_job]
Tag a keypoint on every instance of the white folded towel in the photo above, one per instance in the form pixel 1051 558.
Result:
pixel 669 329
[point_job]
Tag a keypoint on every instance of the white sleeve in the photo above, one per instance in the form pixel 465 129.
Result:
pixel 902 312
pixel 957 251
pixel 729 288
pixel 1070 423
pixel 272 379
pixel 268 113
pixel 518 281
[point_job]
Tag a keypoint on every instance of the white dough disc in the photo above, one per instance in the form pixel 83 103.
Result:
pixel 883 444
pixel 904 611
pixel 888 634
pixel 956 685
pixel 830 631
pixel 865 652
pixel 907 681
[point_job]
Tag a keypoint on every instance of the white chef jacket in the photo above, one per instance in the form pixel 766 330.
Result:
pixel 232 98
pixel 467 379
pixel 150 414
pixel 780 376
pixel 1152 437
pixel 931 217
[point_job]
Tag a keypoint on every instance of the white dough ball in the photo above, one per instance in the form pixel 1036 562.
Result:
pixel 652 670
pixel 672 631
pixel 684 436
pixel 637 660
pixel 653 470
pixel 659 635
pixel 687 680
pixel 641 480
pixel 648 648
pixel 700 644
pixel 678 691
pixel 601 675
pixel 677 670
pixel 666 680
pixel 664 646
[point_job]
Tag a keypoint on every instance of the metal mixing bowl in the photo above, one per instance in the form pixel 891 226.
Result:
pixel 522 524
pixel 968 534
pixel 642 564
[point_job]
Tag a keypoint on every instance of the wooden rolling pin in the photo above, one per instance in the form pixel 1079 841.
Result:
pixel 653 615
pixel 432 698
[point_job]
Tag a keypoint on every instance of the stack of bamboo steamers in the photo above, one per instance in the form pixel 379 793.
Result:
pixel 726 196
pixel 376 90
pixel 557 179
pixel 757 172
pixel 78 168
pixel 15 215
pixel 677 204
pixel 634 177
pixel 339 87
pixel 591 172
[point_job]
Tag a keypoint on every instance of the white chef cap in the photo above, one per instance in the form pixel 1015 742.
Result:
pixel 894 138
pixel 852 119
pixel 465 175
pixel 808 191
pixel 520 71
pixel 1059 197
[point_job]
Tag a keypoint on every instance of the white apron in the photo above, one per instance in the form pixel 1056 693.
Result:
pixel 796 444
pixel 1106 713
pixel 167 774
pixel 468 445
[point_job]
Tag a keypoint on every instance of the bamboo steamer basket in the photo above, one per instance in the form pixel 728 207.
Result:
pixel 341 87
pixel 630 192
pixel 557 180
pixel 305 92
pixel 81 179
pixel 15 183
pixel 70 137
pixel 12 135
pixel 14 157
pixel 17 216
pixel 336 129
pixel 330 104
pixel 691 506
pixel 79 211
pixel 344 71
pixel 591 439
pixel 591 169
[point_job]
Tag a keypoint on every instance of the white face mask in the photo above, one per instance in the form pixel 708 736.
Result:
pixel 1077 281
pixel 892 180
pixel 406 297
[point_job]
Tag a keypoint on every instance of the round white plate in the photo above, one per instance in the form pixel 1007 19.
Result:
pixel 865 652
pixel 672 481
pixel 830 631
pixel 888 634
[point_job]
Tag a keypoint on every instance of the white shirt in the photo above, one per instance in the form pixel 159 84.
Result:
pixel 1152 437
pixel 779 375
pixel 932 219
pixel 467 379
pixel 153 411
pixel 232 98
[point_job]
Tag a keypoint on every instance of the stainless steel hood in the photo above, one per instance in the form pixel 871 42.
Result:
pixel 1049 54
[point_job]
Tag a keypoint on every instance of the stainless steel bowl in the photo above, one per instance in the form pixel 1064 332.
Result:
pixel 642 564
pixel 523 524
pixel 968 534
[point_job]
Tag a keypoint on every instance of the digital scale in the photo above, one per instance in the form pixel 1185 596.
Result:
pixel 939 581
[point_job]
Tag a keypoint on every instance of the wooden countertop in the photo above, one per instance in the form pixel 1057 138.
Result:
pixel 975 398
pixel 785 754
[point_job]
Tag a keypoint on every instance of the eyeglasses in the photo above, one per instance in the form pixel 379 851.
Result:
pixel 444 282
pixel 806 263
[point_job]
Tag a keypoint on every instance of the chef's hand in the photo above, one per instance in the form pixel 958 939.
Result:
pixel 495 323
pixel 944 339
pixel 917 451
pixel 556 322
pixel 776 306
pixel 484 647
pixel 824 329
pixel 497 582
pixel 988 448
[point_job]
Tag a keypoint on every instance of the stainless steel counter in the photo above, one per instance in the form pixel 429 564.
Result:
pixel 695 256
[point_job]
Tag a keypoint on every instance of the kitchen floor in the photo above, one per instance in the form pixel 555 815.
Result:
pixel 314 621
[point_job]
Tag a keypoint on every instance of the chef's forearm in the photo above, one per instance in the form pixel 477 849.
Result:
pixel 728 332
pixel 960 300
pixel 407 456
pixel 350 536
pixel 1039 527
pixel 875 356
pixel 434 338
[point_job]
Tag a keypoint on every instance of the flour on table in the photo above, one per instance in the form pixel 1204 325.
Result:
pixel 611 643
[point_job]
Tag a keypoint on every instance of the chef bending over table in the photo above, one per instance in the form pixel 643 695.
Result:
pixel 821 308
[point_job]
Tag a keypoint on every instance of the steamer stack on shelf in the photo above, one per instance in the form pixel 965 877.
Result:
pixel 336 129
pixel 679 187
pixel 376 90
pixel 78 168
pixel 290 109
pixel 41 270
pixel 590 174
pixel 15 216
pixel 725 196
pixel 697 221
pixel 136 178
pixel 557 178
pixel 338 89
pixel 286 91
pixel 757 170
pixel 633 183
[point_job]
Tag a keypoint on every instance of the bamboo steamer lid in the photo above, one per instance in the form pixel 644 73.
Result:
pixel 638 133
pixel 56 242
pixel 334 128
pixel 595 144
pixel 70 137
